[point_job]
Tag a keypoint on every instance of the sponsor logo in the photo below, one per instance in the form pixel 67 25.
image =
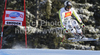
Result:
pixel 67 14
pixel 13 23
pixel 14 15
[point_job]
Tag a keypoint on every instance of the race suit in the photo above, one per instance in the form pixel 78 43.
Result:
pixel 67 23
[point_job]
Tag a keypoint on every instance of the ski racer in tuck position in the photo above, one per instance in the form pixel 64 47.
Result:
pixel 69 24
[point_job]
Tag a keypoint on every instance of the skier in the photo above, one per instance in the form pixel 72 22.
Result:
pixel 69 24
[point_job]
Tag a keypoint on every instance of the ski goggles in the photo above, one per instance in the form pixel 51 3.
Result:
pixel 68 7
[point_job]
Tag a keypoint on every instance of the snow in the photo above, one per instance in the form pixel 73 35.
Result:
pixel 47 52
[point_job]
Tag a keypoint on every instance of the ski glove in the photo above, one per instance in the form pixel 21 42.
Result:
pixel 82 25
pixel 64 29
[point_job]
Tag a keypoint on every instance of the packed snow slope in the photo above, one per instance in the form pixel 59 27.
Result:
pixel 46 52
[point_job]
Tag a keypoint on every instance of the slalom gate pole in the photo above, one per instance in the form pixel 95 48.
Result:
pixel 25 24
pixel 3 25
pixel 25 37
pixel 1 36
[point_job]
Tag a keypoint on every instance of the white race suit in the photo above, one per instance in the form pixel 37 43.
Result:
pixel 67 22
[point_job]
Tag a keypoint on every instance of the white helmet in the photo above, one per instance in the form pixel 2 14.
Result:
pixel 67 4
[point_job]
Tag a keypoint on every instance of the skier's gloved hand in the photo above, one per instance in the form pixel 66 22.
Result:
pixel 82 25
pixel 64 27
pixel 65 30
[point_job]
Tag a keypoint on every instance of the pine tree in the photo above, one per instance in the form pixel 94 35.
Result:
pixel 48 9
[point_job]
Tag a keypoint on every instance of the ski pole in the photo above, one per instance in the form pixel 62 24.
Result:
pixel 62 39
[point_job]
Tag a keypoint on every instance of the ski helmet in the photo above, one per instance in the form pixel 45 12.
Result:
pixel 67 4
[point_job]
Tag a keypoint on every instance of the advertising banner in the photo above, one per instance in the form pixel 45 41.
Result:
pixel 14 17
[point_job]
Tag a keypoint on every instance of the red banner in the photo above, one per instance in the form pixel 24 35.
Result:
pixel 14 17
